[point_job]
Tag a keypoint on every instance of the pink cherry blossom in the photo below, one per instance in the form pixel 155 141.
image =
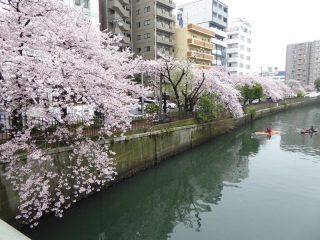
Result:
pixel 52 59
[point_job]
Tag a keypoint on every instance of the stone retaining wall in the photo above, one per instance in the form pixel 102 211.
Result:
pixel 137 152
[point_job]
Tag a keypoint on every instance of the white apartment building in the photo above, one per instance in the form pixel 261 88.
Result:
pixel 111 15
pixel 210 14
pixel 90 9
pixel 239 38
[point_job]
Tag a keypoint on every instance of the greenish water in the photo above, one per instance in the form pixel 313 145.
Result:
pixel 233 188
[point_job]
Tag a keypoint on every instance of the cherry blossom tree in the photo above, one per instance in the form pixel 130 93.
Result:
pixel 216 80
pixel 189 82
pixel 295 86
pixel 274 89
pixel 168 69
pixel 52 59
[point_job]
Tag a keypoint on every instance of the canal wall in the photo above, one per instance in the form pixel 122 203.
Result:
pixel 139 151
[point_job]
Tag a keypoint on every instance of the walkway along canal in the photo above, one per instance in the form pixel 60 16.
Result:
pixel 234 187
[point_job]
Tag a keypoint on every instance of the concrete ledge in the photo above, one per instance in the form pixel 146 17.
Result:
pixel 9 233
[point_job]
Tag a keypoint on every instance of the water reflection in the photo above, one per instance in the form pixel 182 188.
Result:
pixel 151 204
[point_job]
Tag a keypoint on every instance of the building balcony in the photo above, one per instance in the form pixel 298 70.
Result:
pixel 199 43
pixel 202 66
pixel 233 41
pixel 125 27
pixel 166 15
pixel 200 56
pixel 125 2
pixel 218 32
pixel 233 69
pixel 232 50
pixel 234 59
pixel 219 42
pixel 118 7
pixel 169 42
pixel 167 3
pixel 200 30
pixel 165 28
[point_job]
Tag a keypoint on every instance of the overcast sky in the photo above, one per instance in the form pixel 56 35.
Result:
pixel 275 24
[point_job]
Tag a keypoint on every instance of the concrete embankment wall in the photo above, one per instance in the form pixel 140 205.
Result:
pixel 137 152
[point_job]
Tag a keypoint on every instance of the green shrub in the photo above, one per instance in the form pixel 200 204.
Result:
pixel 252 111
pixel 152 108
pixel 300 94
pixel 208 108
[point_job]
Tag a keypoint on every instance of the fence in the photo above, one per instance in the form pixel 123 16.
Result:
pixel 92 126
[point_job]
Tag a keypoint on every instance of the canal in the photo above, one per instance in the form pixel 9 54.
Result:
pixel 234 187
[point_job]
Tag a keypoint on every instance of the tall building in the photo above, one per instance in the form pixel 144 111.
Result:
pixel 239 47
pixel 91 9
pixel 211 14
pixel 303 62
pixel 193 42
pixel 115 16
pixel 153 27
pixel 111 15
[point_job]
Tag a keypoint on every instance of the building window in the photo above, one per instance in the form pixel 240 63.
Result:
pixel 225 9
pixel 147 49
pixel 138 24
pixel 138 37
pixel 249 40
pixel 138 11
pixel 225 20
pixel 247 66
pixel 241 65
pixel 215 3
pixel 242 38
pixel 241 56
pixel 214 14
pixel 138 50
pixel 147 9
pixel 220 17
pixel 248 50
pixel 147 22
pixel 80 2
pixel 248 58
pixel 230 64
pixel 147 35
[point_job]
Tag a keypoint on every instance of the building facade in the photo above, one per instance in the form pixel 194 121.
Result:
pixel 211 14
pixel 193 43
pixel 110 15
pixel 91 9
pixel 153 27
pixel 239 52
pixel 303 62
pixel 115 16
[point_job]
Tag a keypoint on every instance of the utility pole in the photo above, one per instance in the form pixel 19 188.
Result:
pixel 260 71
pixel 142 98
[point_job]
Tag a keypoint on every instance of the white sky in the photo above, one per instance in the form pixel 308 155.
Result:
pixel 275 24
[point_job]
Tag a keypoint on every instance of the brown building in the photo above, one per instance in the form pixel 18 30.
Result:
pixel 194 43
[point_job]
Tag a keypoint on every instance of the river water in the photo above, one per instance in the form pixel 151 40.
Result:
pixel 232 188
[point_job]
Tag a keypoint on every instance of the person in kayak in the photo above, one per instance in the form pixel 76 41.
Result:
pixel 269 131
pixel 311 129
